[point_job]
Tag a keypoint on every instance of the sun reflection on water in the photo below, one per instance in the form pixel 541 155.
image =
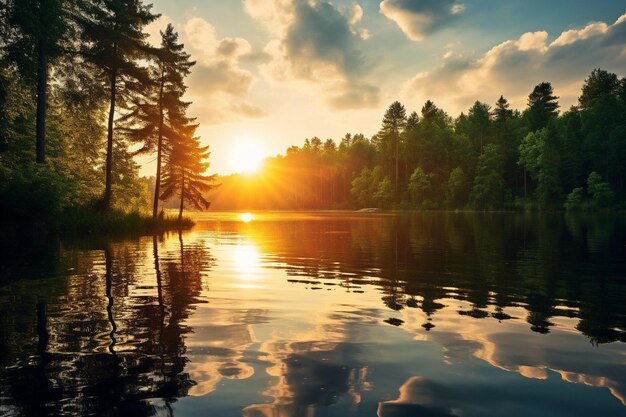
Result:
pixel 246 217
pixel 247 261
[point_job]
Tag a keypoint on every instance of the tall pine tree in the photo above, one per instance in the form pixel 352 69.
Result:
pixel 38 29
pixel 172 65
pixel 114 44
pixel 542 107
pixel 394 123
pixel 184 170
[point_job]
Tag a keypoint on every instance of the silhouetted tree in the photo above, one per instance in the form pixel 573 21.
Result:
pixel 114 45
pixel 478 120
pixel 185 167
pixel 38 31
pixel 542 106
pixel 394 123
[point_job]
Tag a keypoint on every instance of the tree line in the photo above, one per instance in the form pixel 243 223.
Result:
pixel 82 93
pixel 488 158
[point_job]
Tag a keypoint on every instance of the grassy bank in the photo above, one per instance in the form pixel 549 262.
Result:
pixel 81 221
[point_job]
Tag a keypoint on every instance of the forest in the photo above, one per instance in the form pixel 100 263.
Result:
pixel 488 158
pixel 82 93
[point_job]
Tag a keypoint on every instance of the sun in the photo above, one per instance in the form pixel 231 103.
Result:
pixel 246 156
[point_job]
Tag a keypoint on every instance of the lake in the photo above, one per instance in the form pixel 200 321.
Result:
pixel 321 314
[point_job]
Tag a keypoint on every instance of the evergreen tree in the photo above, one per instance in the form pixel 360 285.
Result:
pixel 488 187
pixel 384 193
pixel 184 171
pixel 38 29
pixel 540 156
pixel 572 150
pixel 542 106
pixel 394 123
pixel 170 66
pixel 360 188
pixel 115 44
pixel 412 121
pixel 420 185
pixel 431 113
pixel 599 84
pixel 501 113
pixel 457 190
pixel 599 191
pixel 479 122
pixel 507 134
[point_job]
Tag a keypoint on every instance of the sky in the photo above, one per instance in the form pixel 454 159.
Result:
pixel 271 73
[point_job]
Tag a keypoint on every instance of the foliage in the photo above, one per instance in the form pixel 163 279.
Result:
pixel 394 122
pixel 99 63
pixel 539 155
pixel 488 187
pixel 420 185
pixel 458 188
pixel 84 220
pixel 114 45
pixel 542 106
pixel 384 193
pixel 599 191
pixel 527 159
pixel 574 200
pixel 185 167
pixel 153 122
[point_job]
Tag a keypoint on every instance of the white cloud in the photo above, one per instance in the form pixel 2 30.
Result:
pixel 514 67
pixel 356 14
pixel 571 36
pixel 219 86
pixel 315 41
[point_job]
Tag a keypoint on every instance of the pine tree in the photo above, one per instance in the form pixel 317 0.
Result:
pixel 542 106
pixel 184 171
pixel 488 187
pixel 412 122
pixel 394 123
pixel 478 119
pixel 599 84
pixel 38 28
pixel 151 120
pixel 501 113
pixel 114 44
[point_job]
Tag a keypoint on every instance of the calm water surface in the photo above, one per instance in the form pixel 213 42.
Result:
pixel 322 314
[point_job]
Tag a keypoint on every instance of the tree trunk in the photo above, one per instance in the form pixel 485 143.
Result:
pixel 182 198
pixel 42 82
pixel 157 184
pixel 109 160
pixel 397 157
pixel 525 196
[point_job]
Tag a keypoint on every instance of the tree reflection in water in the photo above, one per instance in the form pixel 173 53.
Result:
pixel 116 338
pixel 319 315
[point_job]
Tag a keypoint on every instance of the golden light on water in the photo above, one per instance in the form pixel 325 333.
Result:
pixel 247 262
pixel 246 217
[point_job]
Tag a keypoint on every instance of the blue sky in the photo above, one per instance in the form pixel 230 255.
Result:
pixel 271 73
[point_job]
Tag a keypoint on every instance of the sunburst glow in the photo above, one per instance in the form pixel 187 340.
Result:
pixel 247 156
